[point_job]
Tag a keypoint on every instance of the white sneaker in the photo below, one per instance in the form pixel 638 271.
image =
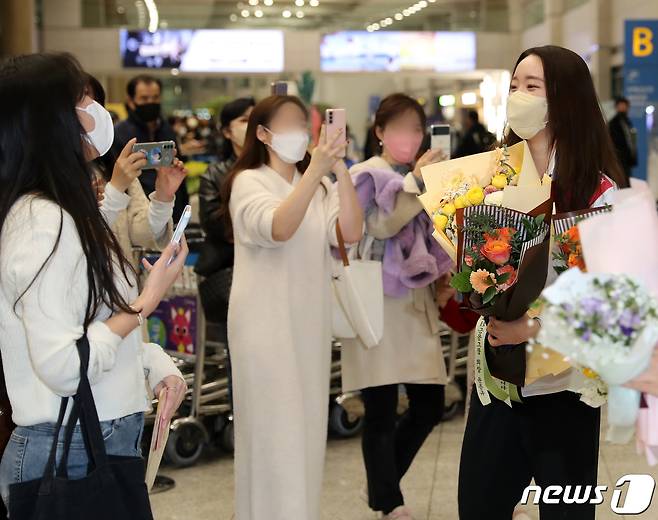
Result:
pixel 399 513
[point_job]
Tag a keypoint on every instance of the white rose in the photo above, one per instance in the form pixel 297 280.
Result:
pixel 494 199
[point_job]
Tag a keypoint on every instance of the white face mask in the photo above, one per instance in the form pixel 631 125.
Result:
pixel 290 146
pixel 102 136
pixel 526 114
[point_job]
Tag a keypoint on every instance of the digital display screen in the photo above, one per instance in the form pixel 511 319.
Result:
pixel 204 50
pixel 393 51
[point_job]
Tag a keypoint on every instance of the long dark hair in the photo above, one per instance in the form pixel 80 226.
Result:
pixel 232 111
pixel 255 153
pixel 41 153
pixel 583 148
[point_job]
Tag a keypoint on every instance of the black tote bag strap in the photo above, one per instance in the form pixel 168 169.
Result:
pixel 49 473
pixel 89 422
pixel 74 416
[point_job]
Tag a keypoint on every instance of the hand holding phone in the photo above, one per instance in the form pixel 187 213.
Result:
pixel 336 122
pixel 180 228
pixel 157 154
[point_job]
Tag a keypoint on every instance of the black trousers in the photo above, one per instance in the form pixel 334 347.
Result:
pixel 391 443
pixel 553 438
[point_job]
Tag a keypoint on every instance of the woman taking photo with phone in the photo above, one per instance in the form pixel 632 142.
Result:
pixel 284 215
pixel 551 435
pixel 410 351
pixel 63 275
pixel 137 221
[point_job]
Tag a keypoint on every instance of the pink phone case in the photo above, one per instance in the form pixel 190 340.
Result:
pixel 336 121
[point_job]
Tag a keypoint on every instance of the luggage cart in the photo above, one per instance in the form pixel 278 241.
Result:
pixel 179 325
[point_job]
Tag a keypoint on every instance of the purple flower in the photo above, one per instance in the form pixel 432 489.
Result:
pixel 629 320
pixel 586 335
pixel 591 305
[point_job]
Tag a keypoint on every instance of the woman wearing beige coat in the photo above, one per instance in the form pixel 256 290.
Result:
pixel 410 352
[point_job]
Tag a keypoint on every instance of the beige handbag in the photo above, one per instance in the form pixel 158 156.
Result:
pixel 358 296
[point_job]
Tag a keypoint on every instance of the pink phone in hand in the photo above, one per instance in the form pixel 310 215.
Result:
pixel 336 121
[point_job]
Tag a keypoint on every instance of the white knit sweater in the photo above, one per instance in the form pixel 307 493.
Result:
pixel 38 340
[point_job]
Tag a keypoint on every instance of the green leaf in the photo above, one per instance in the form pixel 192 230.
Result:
pixel 489 294
pixel 462 281
pixel 503 278
pixel 539 219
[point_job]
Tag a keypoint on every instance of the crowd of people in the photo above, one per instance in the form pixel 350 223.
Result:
pixel 76 200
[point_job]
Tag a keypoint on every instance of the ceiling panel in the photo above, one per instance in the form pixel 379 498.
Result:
pixel 329 15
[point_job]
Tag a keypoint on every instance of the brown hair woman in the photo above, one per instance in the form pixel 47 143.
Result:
pixel 283 214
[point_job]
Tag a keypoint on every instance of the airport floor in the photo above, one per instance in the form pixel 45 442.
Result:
pixel 205 491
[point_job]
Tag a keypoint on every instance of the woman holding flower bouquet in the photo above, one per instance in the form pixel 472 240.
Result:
pixel 410 351
pixel 550 434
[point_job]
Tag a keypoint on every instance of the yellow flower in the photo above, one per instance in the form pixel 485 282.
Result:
pixel 461 202
pixel 499 181
pixel 440 222
pixel 588 372
pixel 475 195
pixel 449 209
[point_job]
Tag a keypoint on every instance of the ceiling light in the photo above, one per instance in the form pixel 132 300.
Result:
pixel 300 14
pixel 447 100
pixel 398 16
pixel 314 3
pixel 299 3
pixel 422 4
pixel 286 14
pixel 154 17
pixel 234 17
pixel 375 27
pixel 258 13
pixel 406 12
pixel 253 2
pixel 469 98
pixel 389 20
pixel 245 13
pixel 269 3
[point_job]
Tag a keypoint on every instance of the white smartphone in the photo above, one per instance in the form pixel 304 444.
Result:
pixel 336 121
pixel 180 227
pixel 441 139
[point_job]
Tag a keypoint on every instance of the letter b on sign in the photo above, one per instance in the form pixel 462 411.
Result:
pixel 642 42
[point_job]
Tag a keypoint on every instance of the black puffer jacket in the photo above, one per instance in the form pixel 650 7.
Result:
pixel 217 252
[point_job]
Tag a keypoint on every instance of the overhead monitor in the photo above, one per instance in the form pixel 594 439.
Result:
pixel 204 50
pixel 394 51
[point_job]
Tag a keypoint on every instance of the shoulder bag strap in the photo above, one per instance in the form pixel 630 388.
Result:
pixel 49 473
pixel 341 246
pixel 89 422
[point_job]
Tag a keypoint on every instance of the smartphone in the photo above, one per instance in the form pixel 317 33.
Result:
pixel 180 227
pixel 157 154
pixel 279 88
pixel 336 121
pixel 441 139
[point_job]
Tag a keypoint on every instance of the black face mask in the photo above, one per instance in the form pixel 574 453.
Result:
pixel 148 112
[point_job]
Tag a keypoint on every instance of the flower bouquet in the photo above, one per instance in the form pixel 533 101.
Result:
pixel 500 240
pixel 623 298
pixel 569 251
pixel 606 325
